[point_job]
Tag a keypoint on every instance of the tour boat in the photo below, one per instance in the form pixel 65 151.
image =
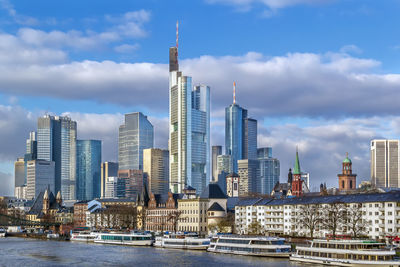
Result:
pixel 182 242
pixel 52 236
pixel 2 232
pixel 250 246
pixel 83 236
pixel 346 253
pixel 133 239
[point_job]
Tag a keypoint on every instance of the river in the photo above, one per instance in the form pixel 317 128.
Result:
pixel 33 252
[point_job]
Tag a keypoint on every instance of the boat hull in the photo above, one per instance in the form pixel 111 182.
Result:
pixel 181 247
pixel 272 254
pixel 126 243
pixel 336 262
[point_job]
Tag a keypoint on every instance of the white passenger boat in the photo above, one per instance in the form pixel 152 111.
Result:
pixel 250 246
pixel 346 253
pixel 182 242
pixel 83 236
pixel 2 232
pixel 132 239
pixel 52 236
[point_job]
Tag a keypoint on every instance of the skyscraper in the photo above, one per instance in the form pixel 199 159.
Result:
pixel 108 169
pixel 40 176
pixel 269 170
pixel 249 138
pixel 130 183
pixel 135 135
pixel 88 169
pixel 56 141
pixel 216 151
pixel 156 170
pixel 247 171
pixel 19 172
pixel 385 161
pixel 189 116
pixel 200 176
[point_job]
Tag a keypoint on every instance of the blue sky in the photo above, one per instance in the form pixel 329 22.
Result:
pixel 320 74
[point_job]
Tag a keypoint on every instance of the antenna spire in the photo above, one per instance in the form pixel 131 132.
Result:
pixel 177 37
pixel 234 92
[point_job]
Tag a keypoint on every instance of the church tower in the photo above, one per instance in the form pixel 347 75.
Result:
pixel 58 198
pixel 297 183
pixel 46 202
pixel 347 179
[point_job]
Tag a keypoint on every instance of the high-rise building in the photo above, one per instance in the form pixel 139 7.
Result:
pixel 268 171
pixel 385 163
pixel 224 164
pixel 88 169
pixel 31 144
pixel 136 134
pixel 111 187
pixel 108 169
pixel 200 176
pixel 249 138
pixel 19 172
pixel 130 183
pixel 56 141
pixel 247 171
pixel 156 170
pixel 216 151
pixel 40 176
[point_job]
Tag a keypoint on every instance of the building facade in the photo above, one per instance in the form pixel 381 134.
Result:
pixel 135 135
pixel 162 213
pixel 385 161
pixel 56 141
pixel 200 169
pixel 108 169
pixel 130 183
pixel 156 170
pixel 268 171
pixel 88 169
pixel 247 171
pixel 111 187
pixel 249 139
pixel 216 151
pixel 40 176
pixel 378 213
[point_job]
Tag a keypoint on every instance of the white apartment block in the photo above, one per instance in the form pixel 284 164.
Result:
pixel 380 214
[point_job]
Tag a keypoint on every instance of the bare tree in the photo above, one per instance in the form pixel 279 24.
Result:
pixel 355 222
pixel 334 217
pixel 310 216
pixel 255 228
pixel 226 225
pixel 175 217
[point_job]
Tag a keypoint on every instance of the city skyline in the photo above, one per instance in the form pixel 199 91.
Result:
pixel 309 114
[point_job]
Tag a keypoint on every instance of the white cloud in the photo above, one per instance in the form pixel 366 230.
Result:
pixel 351 49
pixel 270 4
pixel 126 48
pixel 18 18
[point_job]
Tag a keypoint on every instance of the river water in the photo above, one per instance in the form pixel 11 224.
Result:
pixel 33 252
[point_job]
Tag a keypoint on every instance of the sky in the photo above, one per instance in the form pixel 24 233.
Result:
pixel 322 75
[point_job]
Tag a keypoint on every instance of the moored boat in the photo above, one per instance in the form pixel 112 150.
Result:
pixel 346 253
pixel 2 232
pixel 182 242
pixel 83 236
pixel 132 239
pixel 250 246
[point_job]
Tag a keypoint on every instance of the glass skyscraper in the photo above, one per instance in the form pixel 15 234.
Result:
pixel 269 171
pixel 249 138
pixel 88 169
pixel 135 135
pixel 200 138
pixel 216 151
pixel 56 141
pixel 189 130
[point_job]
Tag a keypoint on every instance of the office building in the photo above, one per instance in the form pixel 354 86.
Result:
pixel 19 172
pixel 216 151
pixel 200 176
pixel 88 169
pixel 40 176
pixel 247 171
pixel 136 134
pixel 156 170
pixel 385 171
pixel 111 187
pixel 268 171
pixel 249 138
pixel 108 169
pixel 56 141
pixel 130 183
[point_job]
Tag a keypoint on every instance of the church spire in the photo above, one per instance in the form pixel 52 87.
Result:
pixel 297 163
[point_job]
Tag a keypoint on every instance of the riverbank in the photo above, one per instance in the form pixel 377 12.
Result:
pixel 36 236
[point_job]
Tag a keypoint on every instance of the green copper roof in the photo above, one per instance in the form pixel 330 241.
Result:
pixel 297 164
pixel 347 160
